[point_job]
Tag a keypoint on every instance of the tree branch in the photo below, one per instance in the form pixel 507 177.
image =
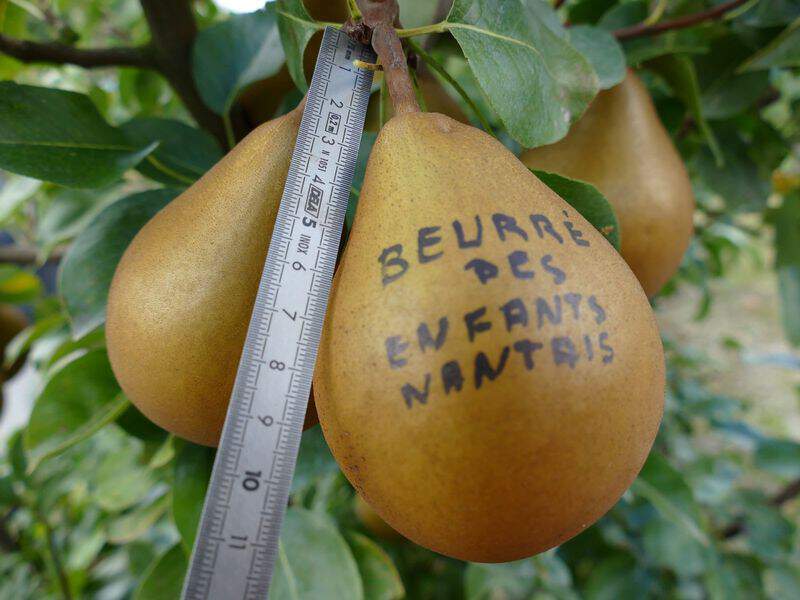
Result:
pixel 642 30
pixel 788 493
pixel 173 31
pixel 59 54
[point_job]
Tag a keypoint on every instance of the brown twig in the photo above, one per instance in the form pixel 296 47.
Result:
pixel 173 30
pixel 788 493
pixel 380 16
pixel 642 30
pixel 558 4
pixel 28 255
pixel 60 54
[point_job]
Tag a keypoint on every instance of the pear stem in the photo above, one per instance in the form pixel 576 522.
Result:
pixel 380 16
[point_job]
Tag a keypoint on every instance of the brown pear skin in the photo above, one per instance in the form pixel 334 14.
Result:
pixel 181 298
pixel 621 147
pixel 486 418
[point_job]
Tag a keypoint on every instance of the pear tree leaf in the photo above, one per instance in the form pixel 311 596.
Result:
pixel 134 524
pixel 183 155
pixel 666 489
pixel 505 580
pixel 232 54
pixel 535 80
pixel 89 265
pixel 787 263
pixel 192 472
pixel 679 72
pixel 314 561
pixel 587 200
pixel 783 51
pixel 296 27
pixel 163 580
pixel 79 397
pixel 59 136
pixel 602 50
pixel 378 573
pixel 18 285
pixel 16 190
pixel 779 457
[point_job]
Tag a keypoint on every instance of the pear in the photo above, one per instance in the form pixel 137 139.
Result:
pixel 491 377
pixel 621 147
pixel 372 522
pixel 182 295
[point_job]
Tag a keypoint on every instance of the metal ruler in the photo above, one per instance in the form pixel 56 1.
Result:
pixel 237 542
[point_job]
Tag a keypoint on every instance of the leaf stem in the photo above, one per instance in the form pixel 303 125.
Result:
pixel 439 27
pixel 644 29
pixel 230 136
pixel 352 8
pixel 437 66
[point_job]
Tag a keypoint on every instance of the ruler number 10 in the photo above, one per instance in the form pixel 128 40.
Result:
pixel 251 480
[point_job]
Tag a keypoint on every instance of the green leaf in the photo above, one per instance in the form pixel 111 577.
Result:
pixel 673 547
pixel 666 489
pixel 89 265
pixel 511 581
pixel 232 54
pixel 602 50
pixel 136 523
pixel 615 577
pixel 183 155
pixel 296 27
pixel 787 263
pixel 781 581
pixel 682 41
pixel 739 182
pixel 587 200
pixel 534 79
pixel 78 399
pixel 18 285
pixel 59 136
pixel 771 13
pixel 164 579
pixel 378 573
pixel 679 72
pixel 779 457
pixel 314 460
pixel 783 51
pixel 314 561
pixel 15 191
pixel 67 213
pixel 121 480
pixel 192 471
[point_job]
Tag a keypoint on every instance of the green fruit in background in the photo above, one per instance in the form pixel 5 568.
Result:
pixel 261 99
pixel 621 147
pixel 491 377
pixel 12 321
pixel 182 295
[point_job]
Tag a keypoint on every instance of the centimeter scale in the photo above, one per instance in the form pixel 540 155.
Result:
pixel 237 542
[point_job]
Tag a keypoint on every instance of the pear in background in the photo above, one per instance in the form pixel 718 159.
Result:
pixel 621 147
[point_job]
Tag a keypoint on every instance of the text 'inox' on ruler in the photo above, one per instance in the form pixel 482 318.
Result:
pixel 237 542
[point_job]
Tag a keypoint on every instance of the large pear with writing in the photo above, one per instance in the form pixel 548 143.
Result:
pixel 491 377
pixel 182 295
pixel 620 146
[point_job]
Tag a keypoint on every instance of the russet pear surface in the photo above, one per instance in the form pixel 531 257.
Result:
pixel 490 377
pixel 182 295
pixel 621 147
